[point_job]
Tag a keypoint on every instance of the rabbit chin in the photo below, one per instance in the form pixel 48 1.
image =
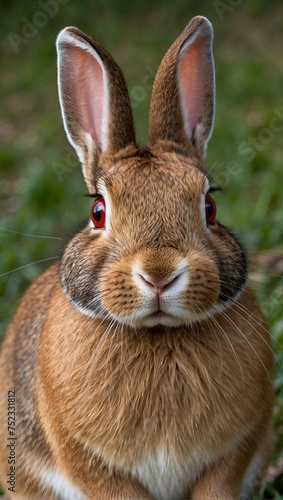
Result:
pixel 184 318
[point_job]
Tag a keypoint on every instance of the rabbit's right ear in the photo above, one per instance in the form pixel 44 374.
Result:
pixel 94 99
pixel 182 99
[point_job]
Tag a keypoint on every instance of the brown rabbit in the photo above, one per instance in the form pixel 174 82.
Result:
pixel 139 366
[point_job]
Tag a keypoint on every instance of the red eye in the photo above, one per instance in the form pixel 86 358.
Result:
pixel 210 209
pixel 97 212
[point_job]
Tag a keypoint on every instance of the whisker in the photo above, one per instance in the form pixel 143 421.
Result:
pixel 255 330
pixel 237 329
pixel 27 265
pixel 31 235
pixel 221 329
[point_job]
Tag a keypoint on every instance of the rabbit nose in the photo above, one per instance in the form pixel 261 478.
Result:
pixel 158 288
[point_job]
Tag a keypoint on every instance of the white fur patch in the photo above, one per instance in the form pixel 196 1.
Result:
pixel 103 191
pixel 61 486
pixel 180 274
pixel 202 204
pixel 166 477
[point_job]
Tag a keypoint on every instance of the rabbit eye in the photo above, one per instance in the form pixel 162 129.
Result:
pixel 210 209
pixel 97 213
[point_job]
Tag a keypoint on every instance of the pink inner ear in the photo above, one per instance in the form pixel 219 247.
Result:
pixel 86 91
pixel 194 77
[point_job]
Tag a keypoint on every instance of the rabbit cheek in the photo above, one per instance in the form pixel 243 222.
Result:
pixel 204 285
pixel 117 293
pixel 79 269
pixel 232 263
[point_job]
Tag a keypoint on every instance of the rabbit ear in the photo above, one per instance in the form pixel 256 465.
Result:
pixel 182 100
pixel 93 96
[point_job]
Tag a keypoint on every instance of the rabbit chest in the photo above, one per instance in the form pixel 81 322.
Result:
pixel 158 404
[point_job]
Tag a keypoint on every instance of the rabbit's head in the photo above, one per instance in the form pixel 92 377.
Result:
pixel 152 252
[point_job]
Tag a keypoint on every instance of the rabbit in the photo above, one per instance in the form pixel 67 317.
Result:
pixel 139 366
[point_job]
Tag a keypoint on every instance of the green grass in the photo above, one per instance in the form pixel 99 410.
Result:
pixel 40 178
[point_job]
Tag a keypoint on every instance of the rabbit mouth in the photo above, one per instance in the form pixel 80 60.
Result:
pixel 158 314
pixel 160 317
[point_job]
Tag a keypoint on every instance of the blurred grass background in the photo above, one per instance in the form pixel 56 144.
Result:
pixel 41 185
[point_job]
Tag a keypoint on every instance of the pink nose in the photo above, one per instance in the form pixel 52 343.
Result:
pixel 158 288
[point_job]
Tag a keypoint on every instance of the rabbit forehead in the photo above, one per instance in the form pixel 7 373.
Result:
pixel 140 178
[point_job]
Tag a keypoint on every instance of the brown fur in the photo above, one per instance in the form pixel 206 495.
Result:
pixel 102 398
pixel 187 376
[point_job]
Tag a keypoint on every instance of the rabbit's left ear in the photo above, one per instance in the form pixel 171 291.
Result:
pixel 94 99
pixel 182 100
